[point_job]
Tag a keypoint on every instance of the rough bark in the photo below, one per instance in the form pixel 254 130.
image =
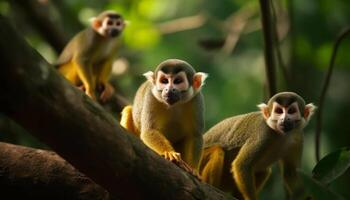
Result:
pixel 27 173
pixel 80 131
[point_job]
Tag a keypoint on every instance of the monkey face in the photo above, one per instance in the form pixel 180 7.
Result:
pixel 286 118
pixel 108 24
pixel 175 81
pixel 112 27
pixel 171 87
pixel 283 114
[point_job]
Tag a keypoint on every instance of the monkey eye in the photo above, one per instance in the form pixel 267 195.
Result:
pixel 118 23
pixel 279 110
pixel 178 81
pixel 164 80
pixel 292 110
pixel 109 22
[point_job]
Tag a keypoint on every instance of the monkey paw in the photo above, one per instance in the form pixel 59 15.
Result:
pixel 171 155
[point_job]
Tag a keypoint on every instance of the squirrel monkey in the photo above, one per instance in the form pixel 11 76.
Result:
pixel 86 61
pixel 167 113
pixel 239 151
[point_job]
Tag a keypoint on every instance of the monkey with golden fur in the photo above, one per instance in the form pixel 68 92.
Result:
pixel 239 151
pixel 167 113
pixel 86 61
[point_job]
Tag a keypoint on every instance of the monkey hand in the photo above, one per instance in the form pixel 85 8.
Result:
pixel 107 92
pixel 171 155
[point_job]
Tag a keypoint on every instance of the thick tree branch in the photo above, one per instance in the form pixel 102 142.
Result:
pixel 38 14
pixel 268 47
pixel 27 173
pixel 84 134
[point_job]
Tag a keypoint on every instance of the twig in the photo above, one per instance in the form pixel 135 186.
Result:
pixel 338 41
pixel 182 24
pixel 237 23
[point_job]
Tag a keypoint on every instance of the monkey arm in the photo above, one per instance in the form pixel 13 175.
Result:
pixel 157 142
pixel 243 172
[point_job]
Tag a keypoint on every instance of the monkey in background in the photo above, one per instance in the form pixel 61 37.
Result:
pixel 239 151
pixel 86 61
pixel 167 113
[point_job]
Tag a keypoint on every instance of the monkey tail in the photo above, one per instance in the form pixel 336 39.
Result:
pixel 126 120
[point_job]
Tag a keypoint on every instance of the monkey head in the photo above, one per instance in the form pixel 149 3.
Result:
pixel 108 24
pixel 175 81
pixel 286 111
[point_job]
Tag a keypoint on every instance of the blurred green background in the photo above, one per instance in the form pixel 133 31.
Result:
pixel 222 38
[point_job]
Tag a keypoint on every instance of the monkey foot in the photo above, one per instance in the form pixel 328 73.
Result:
pixel 107 92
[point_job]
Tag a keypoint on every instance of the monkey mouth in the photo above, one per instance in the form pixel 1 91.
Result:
pixel 171 99
pixel 286 127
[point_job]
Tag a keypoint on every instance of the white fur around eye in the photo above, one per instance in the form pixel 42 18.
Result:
pixel 184 84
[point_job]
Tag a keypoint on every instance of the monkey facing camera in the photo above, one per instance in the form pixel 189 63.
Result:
pixel 239 151
pixel 167 113
pixel 87 59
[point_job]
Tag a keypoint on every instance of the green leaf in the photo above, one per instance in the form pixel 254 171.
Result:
pixel 316 189
pixel 332 166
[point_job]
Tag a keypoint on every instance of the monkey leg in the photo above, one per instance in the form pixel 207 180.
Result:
pixel 69 72
pixel 212 164
pixel 127 121
pixel 85 73
pixel 191 150
pixel 261 178
pixel 103 73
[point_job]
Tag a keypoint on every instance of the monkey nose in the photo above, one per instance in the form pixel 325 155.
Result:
pixel 170 90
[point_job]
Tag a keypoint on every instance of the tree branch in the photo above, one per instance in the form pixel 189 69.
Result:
pixel 80 131
pixel 27 173
pixel 182 24
pixel 38 14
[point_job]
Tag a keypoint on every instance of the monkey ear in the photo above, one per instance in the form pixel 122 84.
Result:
pixel 309 111
pixel 199 80
pixel 95 22
pixel 149 76
pixel 264 110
